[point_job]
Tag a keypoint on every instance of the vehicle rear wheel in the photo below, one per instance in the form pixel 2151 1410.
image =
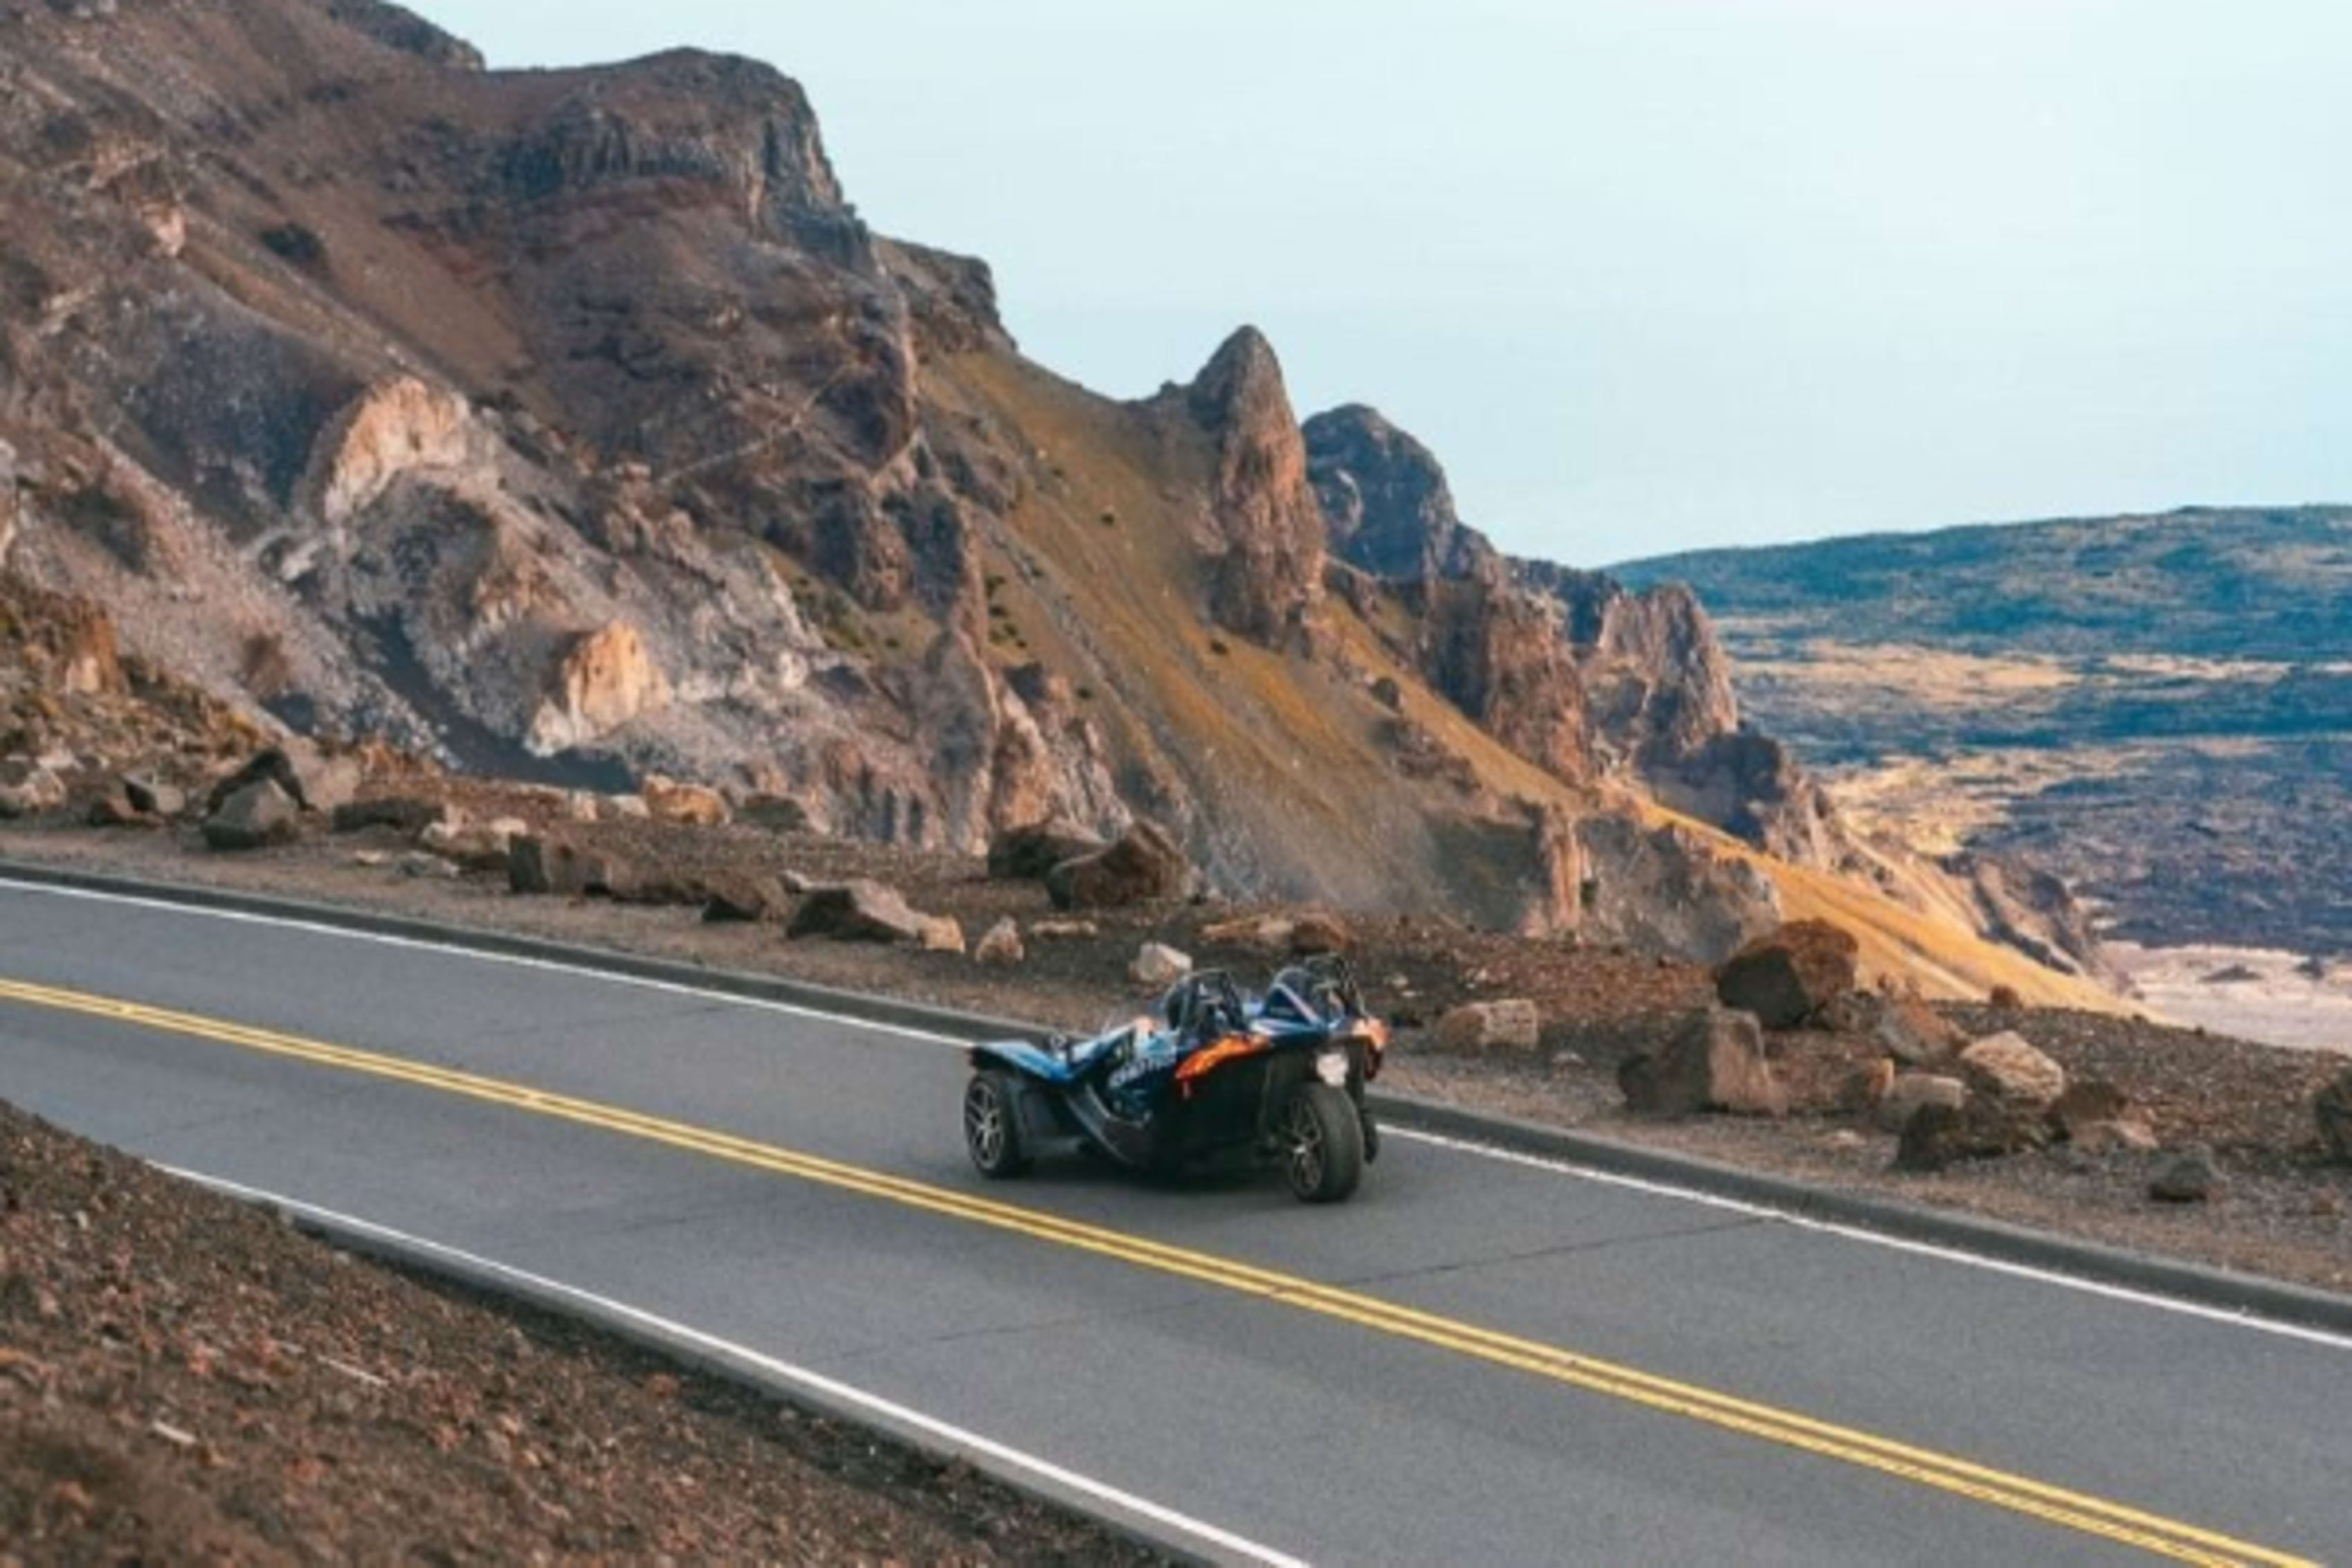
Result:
pixel 991 1125
pixel 1322 1143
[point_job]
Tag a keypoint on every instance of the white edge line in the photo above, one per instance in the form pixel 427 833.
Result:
pixel 1857 1233
pixel 957 1436
pixel 1462 1146
pixel 460 950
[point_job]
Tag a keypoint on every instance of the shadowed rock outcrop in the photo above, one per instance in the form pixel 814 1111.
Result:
pixel 1264 534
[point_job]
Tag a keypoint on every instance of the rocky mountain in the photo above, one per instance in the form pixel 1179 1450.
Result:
pixel 2155 707
pixel 574 425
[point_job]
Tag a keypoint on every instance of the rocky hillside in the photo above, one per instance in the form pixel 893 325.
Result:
pixel 2160 708
pixel 574 425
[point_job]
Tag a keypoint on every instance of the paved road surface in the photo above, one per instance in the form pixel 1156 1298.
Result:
pixel 1479 1360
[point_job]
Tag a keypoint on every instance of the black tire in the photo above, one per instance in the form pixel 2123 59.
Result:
pixel 991 1125
pixel 1322 1143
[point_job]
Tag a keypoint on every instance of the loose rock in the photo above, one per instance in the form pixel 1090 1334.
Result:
pixel 1063 931
pixel 1937 1136
pixel 1789 976
pixel 2007 1066
pixel 1915 1033
pixel 1318 934
pixel 1028 852
pixel 943 935
pixel 1267 933
pixel 1145 865
pixel 407 814
pixel 1909 1091
pixel 1510 1025
pixel 858 911
pixel 731 898
pixel 668 800
pixel 2186 1178
pixel 259 814
pixel 1001 944
pixel 153 798
pixel 1156 964
pixel 1715 1062
pixel 544 864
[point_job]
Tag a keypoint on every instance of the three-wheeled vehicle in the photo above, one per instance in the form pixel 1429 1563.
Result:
pixel 1214 1073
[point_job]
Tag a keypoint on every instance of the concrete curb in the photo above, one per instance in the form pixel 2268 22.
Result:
pixel 1997 1240
pixel 501 1285
pixel 2222 1290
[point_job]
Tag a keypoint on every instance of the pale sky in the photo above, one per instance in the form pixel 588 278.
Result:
pixel 1647 274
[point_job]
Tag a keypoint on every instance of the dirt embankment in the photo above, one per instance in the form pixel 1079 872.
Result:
pixel 183 1379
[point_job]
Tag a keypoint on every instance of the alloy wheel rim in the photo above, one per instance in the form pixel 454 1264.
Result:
pixel 1305 1148
pixel 983 1123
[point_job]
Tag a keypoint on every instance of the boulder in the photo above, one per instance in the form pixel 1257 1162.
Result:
pixel 1316 933
pixel 314 782
pixel 1144 865
pixel 1028 852
pixel 1789 976
pixel 943 933
pixel 541 863
pixel 857 910
pixel 423 864
pixel 484 846
pixel 1510 1025
pixel 2008 1069
pixel 151 797
pixel 741 899
pixel 259 814
pixel 407 814
pixel 1001 944
pixel 1938 1134
pixel 1714 1061
pixel 1155 965
pixel 1915 1033
pixel 2187 1178
pixel 668 800
pixel 1909 1091
pixel 2332 1109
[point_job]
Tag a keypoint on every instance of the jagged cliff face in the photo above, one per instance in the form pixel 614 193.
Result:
pixel 573 424
pixel 1569 668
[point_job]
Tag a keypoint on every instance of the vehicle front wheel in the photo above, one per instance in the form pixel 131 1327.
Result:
pixel 991 1125
pixel 1322 1143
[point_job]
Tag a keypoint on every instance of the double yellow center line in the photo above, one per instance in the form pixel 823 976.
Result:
pixel 1942 1472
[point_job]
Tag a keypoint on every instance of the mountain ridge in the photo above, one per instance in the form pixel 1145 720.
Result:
pixel 575 423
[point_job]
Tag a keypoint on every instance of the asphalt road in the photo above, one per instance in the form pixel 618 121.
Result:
pixel 1477 1361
